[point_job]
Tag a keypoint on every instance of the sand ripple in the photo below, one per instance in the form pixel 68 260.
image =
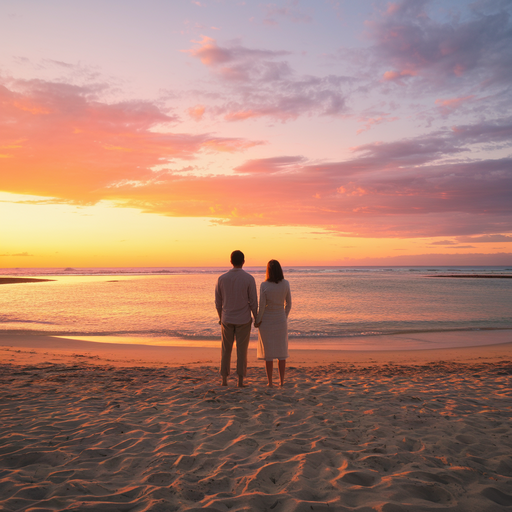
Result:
pixel 385 438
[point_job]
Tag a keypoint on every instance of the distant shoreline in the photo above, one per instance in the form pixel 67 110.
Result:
pixel 16 280
pixel 477 276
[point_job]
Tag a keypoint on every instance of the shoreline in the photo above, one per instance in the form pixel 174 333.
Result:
pixel 477 276
pixel 37 349
pixel 20 280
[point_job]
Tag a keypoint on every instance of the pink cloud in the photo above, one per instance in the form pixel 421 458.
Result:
pixel 373 121
pixel 449 105
pixel 282 111
pixel 242 115
pixel 397 76
pixel 209 53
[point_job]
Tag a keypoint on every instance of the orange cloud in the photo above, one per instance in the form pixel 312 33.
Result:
pixel 81 146
pixel 33 109
pixel 197 112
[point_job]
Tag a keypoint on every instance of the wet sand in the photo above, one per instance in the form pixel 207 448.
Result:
pixel 19 280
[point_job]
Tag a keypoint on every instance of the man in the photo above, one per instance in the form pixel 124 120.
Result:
pixel 235 300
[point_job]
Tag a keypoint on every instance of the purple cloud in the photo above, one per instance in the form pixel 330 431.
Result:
pixel 413 44
pixel 485 239
pixel 270 165
pixel 260 86
pixel 445 242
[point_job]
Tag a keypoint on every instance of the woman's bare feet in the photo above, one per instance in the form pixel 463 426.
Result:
pixel 282 369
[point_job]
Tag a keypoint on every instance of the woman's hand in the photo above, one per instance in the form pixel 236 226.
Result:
pixel 257 324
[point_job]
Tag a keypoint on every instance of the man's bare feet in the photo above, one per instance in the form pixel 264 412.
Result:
pixel 241 382
pixel 270 385
pixel 224 381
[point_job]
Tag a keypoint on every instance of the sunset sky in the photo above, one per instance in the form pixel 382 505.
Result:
pixel 170 132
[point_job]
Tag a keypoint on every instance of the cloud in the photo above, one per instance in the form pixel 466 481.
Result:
pixel 60 140
pixel 257 85
pixel 270 165
pixel 372 121
pixel 495 131
pixel 447 106
pixel 445 242
pixel 17 255
pixel 417 46
pixel 211 54
pixel 484 239
pixel 289 12
pixel 197 112
pixel 64 144
pixel 453 245
pixel 386 190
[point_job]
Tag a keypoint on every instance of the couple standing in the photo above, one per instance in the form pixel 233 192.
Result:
pixel 235 300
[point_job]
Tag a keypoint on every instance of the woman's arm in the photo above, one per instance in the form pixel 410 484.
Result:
pixel 288 300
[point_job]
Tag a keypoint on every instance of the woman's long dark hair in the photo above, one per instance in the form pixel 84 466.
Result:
pixel 274 271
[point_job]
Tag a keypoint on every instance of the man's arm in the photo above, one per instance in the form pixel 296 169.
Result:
pixel 218 301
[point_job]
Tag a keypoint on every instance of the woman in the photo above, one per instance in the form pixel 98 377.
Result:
pixel 272 320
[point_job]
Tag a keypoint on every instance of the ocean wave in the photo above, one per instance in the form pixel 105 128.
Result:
pixel 127 271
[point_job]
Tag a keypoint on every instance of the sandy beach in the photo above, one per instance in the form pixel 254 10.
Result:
pixel 93 426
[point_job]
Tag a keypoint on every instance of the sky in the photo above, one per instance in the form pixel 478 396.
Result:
pixel 316 132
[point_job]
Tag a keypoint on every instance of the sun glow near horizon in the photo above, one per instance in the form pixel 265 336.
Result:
pixel 63 235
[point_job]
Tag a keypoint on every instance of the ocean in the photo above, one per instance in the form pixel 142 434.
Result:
pixel 333 307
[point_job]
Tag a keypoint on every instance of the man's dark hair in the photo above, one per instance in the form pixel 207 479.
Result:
pixel 274 271
pixel 237 258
